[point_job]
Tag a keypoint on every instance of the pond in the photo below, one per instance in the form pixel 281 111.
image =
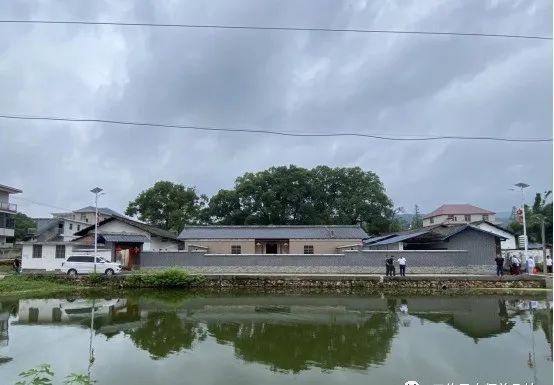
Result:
pixel 249 338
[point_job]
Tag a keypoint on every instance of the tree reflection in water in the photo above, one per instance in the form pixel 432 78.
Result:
pixel 164 333
pixel 296 347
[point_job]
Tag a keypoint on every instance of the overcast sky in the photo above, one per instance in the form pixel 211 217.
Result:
pixel 290 81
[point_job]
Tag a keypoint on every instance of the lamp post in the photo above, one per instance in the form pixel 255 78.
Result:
pixel 95 191
pixel 522 185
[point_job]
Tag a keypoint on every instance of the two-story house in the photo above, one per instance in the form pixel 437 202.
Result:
pixel 458 214
pixel 7 212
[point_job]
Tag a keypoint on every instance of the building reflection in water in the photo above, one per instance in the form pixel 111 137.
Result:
pixel 288 334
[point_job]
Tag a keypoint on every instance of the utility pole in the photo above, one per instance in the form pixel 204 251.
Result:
pixel 543 236
pixel 522 185
pixel 95 191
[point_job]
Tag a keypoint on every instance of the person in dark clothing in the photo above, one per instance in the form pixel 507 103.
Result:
pixel 389 264
pixel 16 265
pixel 499 266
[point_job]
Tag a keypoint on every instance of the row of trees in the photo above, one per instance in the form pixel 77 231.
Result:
pixel 276 196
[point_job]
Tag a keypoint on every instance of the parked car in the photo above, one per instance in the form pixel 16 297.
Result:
pixel 84 264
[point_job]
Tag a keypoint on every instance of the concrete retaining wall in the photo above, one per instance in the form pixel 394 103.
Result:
pixel 368 262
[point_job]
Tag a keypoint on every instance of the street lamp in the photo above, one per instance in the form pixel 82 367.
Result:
pixel 522 185
pixel 95 191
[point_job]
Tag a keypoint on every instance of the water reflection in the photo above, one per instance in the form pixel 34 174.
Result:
pixel 163 333
pixel 286 334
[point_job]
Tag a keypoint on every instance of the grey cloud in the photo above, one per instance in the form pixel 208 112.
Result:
pixel 276 80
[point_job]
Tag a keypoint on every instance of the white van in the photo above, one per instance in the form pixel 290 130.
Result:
pixel 84 264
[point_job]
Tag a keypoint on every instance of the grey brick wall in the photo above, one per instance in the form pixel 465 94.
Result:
pixel 350 262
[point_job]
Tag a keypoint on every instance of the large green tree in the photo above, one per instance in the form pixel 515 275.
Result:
pixel 295 195
pixel 168 205
pixel 23 226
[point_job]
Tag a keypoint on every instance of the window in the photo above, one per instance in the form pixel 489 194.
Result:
pixel 37 251
pixel 86 220
pixel 467 218
pixel 308 249
pixel 84 216
pixel 431 220
pixel 78 227
pixel 236 249
pixel 60 251
pixel 451 218
pixel 71 226
pixel 485 217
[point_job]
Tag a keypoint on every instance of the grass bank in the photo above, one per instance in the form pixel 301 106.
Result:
pixel 48 284
pixel 22 285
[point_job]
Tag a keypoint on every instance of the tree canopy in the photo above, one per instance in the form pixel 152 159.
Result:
pixel 168 205
pixel 286 195
pixel 23 225
pixel 293 195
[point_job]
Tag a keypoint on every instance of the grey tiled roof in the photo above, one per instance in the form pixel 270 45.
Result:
pixel 272 232
pixel 431 234
pixel 101 210
pixel 143 226
pixel 124 237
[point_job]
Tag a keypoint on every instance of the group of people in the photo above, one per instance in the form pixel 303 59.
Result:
pixel 515 265
pixel 391 269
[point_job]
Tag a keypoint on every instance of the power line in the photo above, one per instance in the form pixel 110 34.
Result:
pixel 40 203
pixel 290 29
pixel 280 133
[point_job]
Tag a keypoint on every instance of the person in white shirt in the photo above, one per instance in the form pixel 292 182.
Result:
pixel 402 264
pixel 548 263
pixel 530 265
pixel 516 265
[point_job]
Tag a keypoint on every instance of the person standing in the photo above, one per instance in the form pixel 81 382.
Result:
pixel 530 265
pixel 389 263
pixel 548 264
pixel 16 265
pixel 515 264
pixel 499 266
pixel 402 264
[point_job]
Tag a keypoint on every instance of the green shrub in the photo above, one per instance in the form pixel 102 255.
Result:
pixel 94 278
pixel 169 278
pixel 134 280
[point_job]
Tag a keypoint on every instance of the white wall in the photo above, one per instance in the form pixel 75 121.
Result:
pixel 458 218
pixel 508 244
pixel 156 244
pixel 48 261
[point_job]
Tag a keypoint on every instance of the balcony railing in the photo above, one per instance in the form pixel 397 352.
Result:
pixel 8 206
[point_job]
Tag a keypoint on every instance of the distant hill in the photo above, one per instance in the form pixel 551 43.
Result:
pixel 504 217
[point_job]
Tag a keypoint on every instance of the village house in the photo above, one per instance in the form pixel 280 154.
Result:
pixel 7 212
pixel 458 213
pixel 480 244
pixel 127 238
pixel 287 239
pixel 63 226
pixel 509 241
pixel 120 239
